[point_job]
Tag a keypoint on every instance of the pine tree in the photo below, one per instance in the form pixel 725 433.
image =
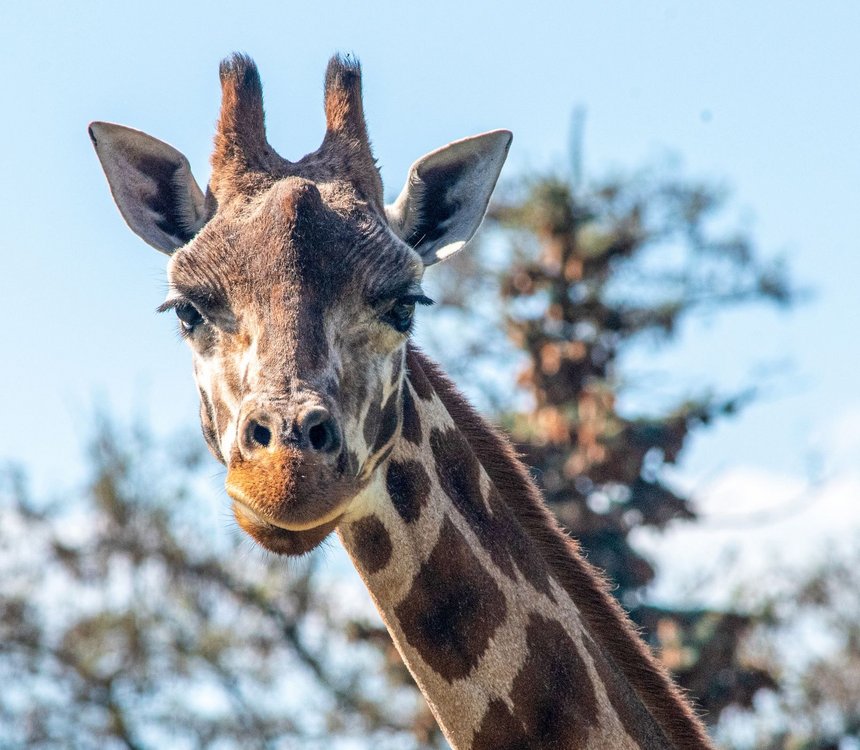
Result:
pixel 585 276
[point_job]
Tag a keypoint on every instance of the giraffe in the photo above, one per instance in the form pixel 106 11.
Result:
pixel 296 287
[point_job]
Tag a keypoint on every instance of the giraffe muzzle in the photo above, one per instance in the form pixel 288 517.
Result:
pixel 286 474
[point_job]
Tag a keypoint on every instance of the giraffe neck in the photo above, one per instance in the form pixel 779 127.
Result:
pixel 500 643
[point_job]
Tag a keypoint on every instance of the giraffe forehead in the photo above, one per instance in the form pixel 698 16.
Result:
pixel 296 243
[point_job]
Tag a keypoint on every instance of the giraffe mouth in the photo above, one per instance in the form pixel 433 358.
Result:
pixel 279 539
pixel 286 502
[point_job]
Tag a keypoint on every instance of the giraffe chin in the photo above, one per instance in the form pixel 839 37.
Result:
pixel 286 502
pixel 279 540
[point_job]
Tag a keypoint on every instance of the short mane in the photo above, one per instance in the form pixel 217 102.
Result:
pixel 584 583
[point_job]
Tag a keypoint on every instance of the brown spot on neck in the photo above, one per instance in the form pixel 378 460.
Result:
pixel 408 487
pixel 373 418
pixel 553 695
pixel 372 544
pixel 387 422
pixel 554 702
pixel 452 609
pixel 411 430
pixel 498 530
pixel 416 376
pixel 500 730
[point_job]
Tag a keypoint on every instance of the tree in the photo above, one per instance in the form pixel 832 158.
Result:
pixel 585 275
pixel 128 621
pixel 808 632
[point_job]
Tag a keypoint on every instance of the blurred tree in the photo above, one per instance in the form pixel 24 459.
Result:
pixel 808 631
pixel 631 257
pixel 125 623
pixel 585 275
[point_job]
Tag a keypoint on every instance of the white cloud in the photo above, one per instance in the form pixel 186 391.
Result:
pixel 842 441
pixel 756 523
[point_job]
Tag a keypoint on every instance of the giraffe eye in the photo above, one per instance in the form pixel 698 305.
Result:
pixel 399 315
pixel 189 316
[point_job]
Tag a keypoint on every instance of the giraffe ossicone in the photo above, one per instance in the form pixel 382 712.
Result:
pixel 295 287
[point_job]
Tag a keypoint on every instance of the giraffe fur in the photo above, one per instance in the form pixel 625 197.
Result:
pixel 295 287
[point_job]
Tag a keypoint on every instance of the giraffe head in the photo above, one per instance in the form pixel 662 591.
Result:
pixel 295 288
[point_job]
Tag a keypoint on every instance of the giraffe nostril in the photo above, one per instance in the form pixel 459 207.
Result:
pixel 319 436
pixel 318 431
pixel 261 435
pixel 313 430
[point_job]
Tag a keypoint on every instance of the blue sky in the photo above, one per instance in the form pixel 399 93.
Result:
pixel 761 97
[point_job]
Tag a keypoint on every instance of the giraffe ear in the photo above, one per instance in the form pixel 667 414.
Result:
pixel 446 195
pixel 152 185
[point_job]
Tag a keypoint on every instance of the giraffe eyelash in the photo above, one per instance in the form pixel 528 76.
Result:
pixel 415 299
pixel 168 305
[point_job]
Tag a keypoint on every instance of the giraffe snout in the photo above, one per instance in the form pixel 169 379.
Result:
pixel 285 473
pixel 312 429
